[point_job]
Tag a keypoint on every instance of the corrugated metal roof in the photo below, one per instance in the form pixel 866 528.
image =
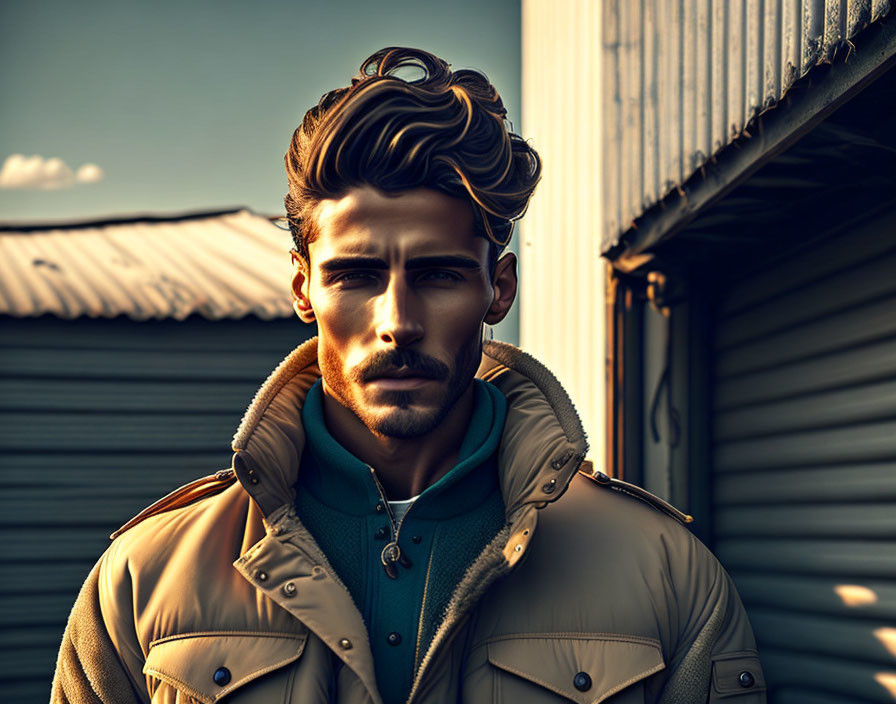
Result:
pixel 220 265
pixel 682 80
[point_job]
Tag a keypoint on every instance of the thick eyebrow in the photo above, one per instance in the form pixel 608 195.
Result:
pixel 444 261
pixel 343 263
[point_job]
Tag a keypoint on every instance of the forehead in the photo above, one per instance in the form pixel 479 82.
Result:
pixel 366 220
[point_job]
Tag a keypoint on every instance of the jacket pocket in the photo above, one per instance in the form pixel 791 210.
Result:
pixel 737 675
pixel 579 667
pixel 211 665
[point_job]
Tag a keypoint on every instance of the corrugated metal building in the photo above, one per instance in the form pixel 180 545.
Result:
pixel 683 80
pixel 128 352
pixel 750 191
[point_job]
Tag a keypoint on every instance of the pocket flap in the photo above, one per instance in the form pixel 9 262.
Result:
pixel 736 674
pixel 585 668
pixel 210 665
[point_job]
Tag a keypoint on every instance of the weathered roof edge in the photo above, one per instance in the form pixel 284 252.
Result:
pixel 34 226
pixel 809 101
pixel 217 264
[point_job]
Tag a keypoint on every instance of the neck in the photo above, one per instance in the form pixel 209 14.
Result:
pixel 404 466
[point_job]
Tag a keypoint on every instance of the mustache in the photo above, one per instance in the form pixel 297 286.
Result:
pixel 381 363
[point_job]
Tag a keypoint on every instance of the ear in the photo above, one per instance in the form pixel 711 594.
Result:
pixel 301 303
pixel 504 283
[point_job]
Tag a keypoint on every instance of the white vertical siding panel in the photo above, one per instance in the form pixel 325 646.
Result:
pixel 562 276
pixel 683 78
pixel 879 8
pixel 719 75
pixel 754 58
pixel 703 78
pixel 688 128
pixel 649 108
pixel 834 16
pixel 858 14
pixel 812 33
pixel 630 77
pixel 770 67
pixel 669 82
pixel 736 69
pixel 608 57
pixel 789 39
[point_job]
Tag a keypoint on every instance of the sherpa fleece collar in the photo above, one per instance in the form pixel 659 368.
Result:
pixel 541 448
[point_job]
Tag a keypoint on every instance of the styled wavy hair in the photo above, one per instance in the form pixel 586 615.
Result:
pixel 443 130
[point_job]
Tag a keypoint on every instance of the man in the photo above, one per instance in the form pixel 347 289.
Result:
pixel 404 520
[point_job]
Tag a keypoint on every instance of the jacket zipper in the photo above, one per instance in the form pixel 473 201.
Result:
pixel 391 554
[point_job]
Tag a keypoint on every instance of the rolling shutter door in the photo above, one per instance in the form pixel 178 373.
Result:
pixel 98 419
pixel 804 463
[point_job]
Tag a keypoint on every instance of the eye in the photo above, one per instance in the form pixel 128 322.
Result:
pixel 439 276
pixel 354 278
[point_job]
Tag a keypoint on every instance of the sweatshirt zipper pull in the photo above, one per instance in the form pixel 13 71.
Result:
pixel 390 555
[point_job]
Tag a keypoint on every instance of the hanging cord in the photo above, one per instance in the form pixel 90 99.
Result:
pixel 657 294
pixel 664 385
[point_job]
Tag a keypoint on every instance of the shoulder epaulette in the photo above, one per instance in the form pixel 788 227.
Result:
pixel 656 502
pixel 187 494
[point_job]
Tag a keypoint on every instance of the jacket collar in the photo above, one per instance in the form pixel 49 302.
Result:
pixel 541 448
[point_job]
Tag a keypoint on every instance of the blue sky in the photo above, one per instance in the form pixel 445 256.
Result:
pixel 190 105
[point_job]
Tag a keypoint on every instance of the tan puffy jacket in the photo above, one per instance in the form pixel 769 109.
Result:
pixel 218 593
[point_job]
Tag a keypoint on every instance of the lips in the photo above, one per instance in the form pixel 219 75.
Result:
pixel 403 373
pixel 403 379
pixel 402 383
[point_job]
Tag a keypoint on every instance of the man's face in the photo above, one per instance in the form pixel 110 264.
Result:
pixel 399 287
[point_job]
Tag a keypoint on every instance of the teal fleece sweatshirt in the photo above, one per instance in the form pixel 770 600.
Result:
pixel 338 500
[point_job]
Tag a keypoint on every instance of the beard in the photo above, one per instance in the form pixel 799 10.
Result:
pixel 401 417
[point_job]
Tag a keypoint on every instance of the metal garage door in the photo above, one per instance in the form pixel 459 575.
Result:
pixel 98 418
pixel 804 477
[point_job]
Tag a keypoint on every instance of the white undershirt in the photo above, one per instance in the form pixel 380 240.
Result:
pixel 399 508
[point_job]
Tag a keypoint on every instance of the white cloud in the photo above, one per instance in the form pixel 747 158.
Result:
pixel 89 173
pixel 35 172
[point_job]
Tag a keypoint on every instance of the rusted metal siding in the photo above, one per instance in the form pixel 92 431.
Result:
pixel 682 79
pixel 222 266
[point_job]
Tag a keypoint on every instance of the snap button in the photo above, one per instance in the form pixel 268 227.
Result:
pixel 746 679
pixel 381 533
pixel 261 576
pixel 345 644
pixel 560 461
pixel 289 589
pixel 221 676
pixel 416 539
pixel 380 507
pixel 393 638
pixel 582 681
pixel 549 487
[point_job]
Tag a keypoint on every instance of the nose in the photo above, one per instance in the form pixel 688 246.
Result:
pixel 398 321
